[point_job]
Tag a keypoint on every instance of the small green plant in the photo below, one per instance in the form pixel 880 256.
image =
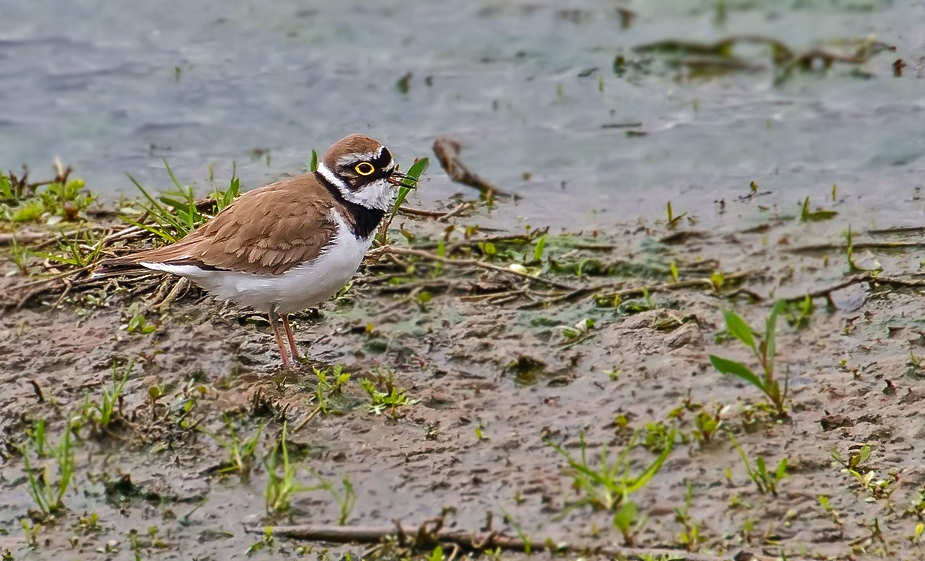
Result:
pixel 281 478
pixel 524 538
pixel 137 322
pixel 675 275
pixel 826 506
pixel 799 313
pixel 578 333
pixel 408 182
pixel 38 438
pixel 88 523
pixel 764 350
pixel 916 536
pixel 31 531
pixel 392 398
pixel 539 248
pixel 876 488
pixel 608 484
pixel 807 215
pixel 690 538
pixel 330 383
pixel 109 408
pixel 627 521
pixel 657 437
pixel 635 306
pixel 265 542
pixel 672 219
pixel 19 255
pixel 313 165
pixel 241 451
pixel 45 490
pixel 765 481
pixel 854 460
pixel 50 202
pixel 176 213
pixel 849 253
pixel 345 500
pixel 706 424
pixel 75 252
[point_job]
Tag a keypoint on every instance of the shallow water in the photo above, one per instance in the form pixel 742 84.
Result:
pixel 113 88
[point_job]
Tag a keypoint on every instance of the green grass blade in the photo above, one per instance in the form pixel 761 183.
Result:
pixel 726 366
pixel 739 329
pixel 159 232
pixel 650 472
pixel 173 177
pixel 414 173
pixel 771 328
pixel 540 247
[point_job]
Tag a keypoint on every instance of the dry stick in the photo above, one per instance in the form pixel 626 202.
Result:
pixel 636 291
pixel 308 419
pixel 478 541
pixel 25 237
pixel 180 287
pixel 900 230
pixel 858 279
pixel 404 209
pixel 447 152
pixel 477 263
pixel 859 245
pixel 441 215
pixel 406 300
pixel 455 212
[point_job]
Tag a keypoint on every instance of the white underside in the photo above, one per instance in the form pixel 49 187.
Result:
pixel 301 287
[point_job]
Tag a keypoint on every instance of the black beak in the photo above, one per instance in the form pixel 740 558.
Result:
pixel 402 180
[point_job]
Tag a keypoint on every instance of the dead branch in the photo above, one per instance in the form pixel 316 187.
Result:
pixel 818 248
pixel 447 152
pixel 478 541
pixel 440 215
pixel 25 237
pixel 634 291
pixel 896 282
pixel 476 263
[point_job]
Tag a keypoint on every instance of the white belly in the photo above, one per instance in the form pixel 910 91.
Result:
pixel 301 287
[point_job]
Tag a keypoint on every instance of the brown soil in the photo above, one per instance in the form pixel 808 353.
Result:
pixel 503 373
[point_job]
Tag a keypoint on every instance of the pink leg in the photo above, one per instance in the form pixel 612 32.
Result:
pixel 292 345
pixel 274 323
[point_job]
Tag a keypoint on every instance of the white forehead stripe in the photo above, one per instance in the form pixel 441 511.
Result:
pixel 329 176
pixel 359 156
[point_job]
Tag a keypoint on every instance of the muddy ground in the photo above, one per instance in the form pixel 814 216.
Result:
pixel 488 387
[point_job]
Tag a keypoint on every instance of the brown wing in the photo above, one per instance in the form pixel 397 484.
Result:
pixel 266 231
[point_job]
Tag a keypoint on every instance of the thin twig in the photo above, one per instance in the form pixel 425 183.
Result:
pixel 858 279
pixel 441 215
pixel 455 212
pixel 478 541
pixel 476 263
pixel 816 248
pixel 308 419
pixel 634 291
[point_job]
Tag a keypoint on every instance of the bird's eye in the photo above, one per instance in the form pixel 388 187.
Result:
pixel 364 168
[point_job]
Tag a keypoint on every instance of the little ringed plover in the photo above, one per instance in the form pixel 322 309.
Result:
pixel 288 245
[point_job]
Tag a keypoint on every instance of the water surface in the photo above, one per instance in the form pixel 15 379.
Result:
pixel 111 88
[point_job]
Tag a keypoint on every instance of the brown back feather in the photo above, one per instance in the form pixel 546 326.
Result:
pixel 265 231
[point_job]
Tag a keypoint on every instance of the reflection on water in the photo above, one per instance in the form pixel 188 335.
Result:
pixel 112 87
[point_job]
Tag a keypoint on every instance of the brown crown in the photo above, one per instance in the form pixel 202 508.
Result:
pixel 342 157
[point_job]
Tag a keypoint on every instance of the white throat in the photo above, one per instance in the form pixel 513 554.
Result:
pixel 377 195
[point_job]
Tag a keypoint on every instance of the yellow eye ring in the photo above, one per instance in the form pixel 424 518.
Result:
pixel 365 168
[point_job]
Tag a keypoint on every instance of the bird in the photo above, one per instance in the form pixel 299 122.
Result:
pixel 289 245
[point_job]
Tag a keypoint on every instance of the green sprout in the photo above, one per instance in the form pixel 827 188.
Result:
pixel 764 349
